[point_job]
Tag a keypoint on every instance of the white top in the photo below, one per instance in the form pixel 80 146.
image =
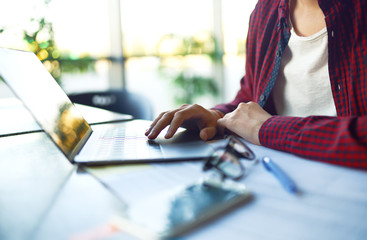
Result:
pixel 303 85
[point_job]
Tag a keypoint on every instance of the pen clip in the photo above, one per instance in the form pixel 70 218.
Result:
pixel 266 161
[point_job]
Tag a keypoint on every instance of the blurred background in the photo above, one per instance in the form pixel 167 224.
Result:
pixel 170 51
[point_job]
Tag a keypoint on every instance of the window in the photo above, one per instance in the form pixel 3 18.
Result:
pixel 154 37
pixel 163 49
pixel 79 30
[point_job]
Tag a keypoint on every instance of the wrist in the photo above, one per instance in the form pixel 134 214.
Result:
pixel 217 113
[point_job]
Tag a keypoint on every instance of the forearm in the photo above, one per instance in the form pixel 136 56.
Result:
pixel 336 140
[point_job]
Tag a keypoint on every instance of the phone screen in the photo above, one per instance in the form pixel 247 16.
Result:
pixel 174 213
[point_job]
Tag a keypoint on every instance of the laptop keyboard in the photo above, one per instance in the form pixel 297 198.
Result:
pixel 123 143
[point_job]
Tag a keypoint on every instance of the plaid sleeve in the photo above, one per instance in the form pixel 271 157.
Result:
pixel 341 141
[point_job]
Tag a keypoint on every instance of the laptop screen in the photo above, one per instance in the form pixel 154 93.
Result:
pixel 47 102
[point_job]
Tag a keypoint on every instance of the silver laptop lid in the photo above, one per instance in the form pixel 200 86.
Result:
pixel 47 102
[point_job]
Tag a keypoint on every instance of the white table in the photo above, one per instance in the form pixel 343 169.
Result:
pixel 43 196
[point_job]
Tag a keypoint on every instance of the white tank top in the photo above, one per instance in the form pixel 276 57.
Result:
pixel 303 85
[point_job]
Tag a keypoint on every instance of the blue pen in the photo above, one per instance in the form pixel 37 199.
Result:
pixel 283 178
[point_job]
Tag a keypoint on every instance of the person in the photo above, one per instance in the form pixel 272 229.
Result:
pixel 305 86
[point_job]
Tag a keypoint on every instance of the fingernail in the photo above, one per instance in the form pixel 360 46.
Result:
pixel 150 136
pixel 204 136
pixel 168 134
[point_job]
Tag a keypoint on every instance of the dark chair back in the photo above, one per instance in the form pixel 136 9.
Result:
pixel 121 101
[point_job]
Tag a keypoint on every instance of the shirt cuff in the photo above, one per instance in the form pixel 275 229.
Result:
pixel 273 133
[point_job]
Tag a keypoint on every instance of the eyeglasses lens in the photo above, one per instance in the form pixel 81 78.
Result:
pixel 226 160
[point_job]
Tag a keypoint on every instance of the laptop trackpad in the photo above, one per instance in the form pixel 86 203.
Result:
pixel 186 144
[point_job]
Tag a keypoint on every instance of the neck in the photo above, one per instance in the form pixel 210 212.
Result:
pixel 307 3
pixel 307 16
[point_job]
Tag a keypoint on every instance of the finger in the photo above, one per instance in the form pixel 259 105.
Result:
pixel 222 122
pixel 221 131
pixel 208 133
pixel 147 132
pixel 177 120
pixel 222 126
pixel 163 122
pixel 188 112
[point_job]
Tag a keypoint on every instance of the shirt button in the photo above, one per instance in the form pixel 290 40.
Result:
pixel 278 54
pixel 262 97
pixel 339 87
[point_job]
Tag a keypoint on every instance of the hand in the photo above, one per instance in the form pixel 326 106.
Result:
pixel 245 121
pixel 188 116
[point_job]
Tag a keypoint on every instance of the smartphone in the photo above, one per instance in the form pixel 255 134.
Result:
pixel 174 213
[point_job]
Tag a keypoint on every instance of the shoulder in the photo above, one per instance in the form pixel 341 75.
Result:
pixel 269 5
pixel 265 9
pixel 345 5
pixel 265 13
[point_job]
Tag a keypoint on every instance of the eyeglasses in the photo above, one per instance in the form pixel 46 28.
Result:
pixel 226 159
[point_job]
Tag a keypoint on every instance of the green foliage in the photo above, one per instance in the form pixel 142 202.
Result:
pixel 203 44
pixel 74 65
pixel 188 86
pixel 42 43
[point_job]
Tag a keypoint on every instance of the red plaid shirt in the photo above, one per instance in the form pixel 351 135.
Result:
pixel 339 140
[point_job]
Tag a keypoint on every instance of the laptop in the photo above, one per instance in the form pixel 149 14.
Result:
pixel 123 142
